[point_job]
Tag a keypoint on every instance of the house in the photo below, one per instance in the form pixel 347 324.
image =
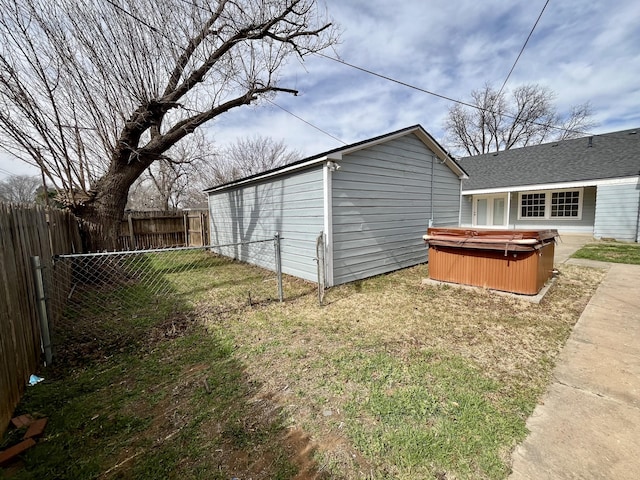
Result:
pixel 588 185
pixel 370 203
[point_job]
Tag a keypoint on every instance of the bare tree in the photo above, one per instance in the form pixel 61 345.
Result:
pixel 19 189
pixel 499 121
pixel 167 183
pixel 248 156
pixel 244 157
pixel 95 92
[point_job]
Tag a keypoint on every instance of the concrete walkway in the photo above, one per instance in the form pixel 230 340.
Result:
pixel 588 424
pixel 567 245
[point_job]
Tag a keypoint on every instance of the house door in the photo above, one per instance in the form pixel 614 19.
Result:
pixel 490 210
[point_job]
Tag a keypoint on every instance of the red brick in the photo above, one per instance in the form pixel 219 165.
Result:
pixel 22 420
pixel 10 453
pixel 36 428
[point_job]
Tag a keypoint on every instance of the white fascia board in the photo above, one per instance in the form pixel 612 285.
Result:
pixel 282 171
pixel 336 156
pixel 554 186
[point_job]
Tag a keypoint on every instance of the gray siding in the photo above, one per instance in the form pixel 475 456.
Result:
pixel 382 205
pixel 617 212
pixel 291 205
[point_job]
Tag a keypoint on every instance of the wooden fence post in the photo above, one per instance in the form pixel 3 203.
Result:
pixel 132 234
pixel 204 225
pixel 41 298
pixel 185 221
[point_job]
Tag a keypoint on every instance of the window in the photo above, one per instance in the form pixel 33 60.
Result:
pixel 557 204
pixel 532 205
pixel 565 204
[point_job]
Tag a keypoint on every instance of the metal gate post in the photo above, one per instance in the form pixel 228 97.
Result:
pixel 45 337
pixel 278 258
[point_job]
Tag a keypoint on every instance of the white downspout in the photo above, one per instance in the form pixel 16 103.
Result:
pixel 460 207
pixel 327 173
pixel 433 164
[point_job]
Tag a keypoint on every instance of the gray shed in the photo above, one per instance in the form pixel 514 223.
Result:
pixel 371 201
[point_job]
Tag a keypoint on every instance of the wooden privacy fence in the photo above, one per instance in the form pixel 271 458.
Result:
pixel 143 230
pixel 25 232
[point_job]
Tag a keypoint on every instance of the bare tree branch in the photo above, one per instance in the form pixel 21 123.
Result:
pixel 500 122
pixel 246 156
pixel 95 92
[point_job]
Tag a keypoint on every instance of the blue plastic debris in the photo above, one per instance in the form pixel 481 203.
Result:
pixel 33 379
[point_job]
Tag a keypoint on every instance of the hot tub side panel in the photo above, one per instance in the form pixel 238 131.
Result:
pixel 545 265
pixel 517 272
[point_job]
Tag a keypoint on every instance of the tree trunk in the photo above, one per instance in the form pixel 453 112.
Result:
pixel 164 197
pixel 104 209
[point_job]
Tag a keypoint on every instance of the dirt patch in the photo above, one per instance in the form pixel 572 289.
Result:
pixel 256 446
pixel 298 447
pixel 104 342
pixel 253 445
pixel 175 325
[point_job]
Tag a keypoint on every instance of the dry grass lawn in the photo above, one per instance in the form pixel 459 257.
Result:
pixel 390 379
pixel 379 340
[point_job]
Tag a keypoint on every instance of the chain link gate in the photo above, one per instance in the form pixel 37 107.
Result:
pixel 98 304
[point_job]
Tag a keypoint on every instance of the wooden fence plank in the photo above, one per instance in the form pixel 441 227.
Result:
pixel 143 230
pixel 25 232
pixel 29 231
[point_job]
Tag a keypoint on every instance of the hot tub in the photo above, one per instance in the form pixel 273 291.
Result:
pixel 517 261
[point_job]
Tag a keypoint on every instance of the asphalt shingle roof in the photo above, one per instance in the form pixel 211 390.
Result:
pixel 604 156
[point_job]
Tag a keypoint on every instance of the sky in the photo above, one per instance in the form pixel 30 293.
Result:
pixel 582 51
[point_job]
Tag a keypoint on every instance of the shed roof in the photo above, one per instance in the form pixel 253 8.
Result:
pixel 598 157
pixel 337 153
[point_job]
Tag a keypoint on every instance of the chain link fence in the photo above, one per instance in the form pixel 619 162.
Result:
pixel 102 303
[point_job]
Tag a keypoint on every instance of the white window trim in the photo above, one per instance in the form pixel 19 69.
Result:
pixel 547 204
pixel 474 211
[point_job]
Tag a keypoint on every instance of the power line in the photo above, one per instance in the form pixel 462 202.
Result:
pixel 523 47
pixel 138 19
pixel 7 172
pixel 444 97
pixel 126 12
pixel 384 77
pixel 308 123
pixel 394 80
